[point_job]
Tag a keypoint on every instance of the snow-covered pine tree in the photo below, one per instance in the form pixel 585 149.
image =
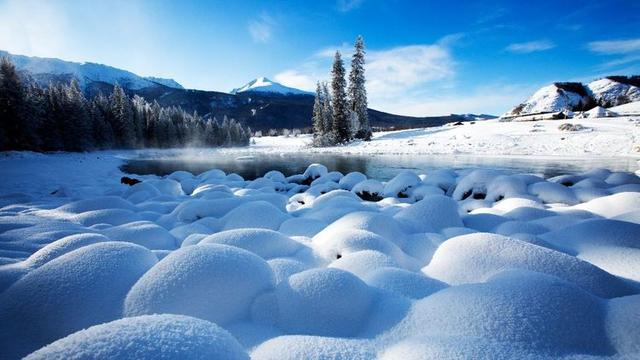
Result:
pixel 318 119
pixel 327 110
pixel 122 117
pixel 340 106
pixel 357 92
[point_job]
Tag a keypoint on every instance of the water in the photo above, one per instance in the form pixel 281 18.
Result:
pixel 382 167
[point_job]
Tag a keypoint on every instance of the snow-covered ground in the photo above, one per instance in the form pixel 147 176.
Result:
pixel 618 136
pixel 449 264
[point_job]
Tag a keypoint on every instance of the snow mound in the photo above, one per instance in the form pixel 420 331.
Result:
pixel 144 233
pixel 61 247
pixel 431 214
pixel 594 233
pixel 401 184
pixel 623 324
pixel 245 216
pixel 612 205
pixel 210 281
pixel 477 257
pixel 327 302
pixel 526 309
pixel 364 262
pixel 294 347
pixel 350 180
pixel 406 283
pixel 84 287
pixel 265 243
pixel 147 337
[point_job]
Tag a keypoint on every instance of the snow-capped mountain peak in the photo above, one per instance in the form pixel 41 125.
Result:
pixel 44 70
pixel 264 85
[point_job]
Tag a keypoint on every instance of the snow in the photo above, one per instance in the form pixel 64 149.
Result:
pixel 327 302
pixel 550 98
pixel 147 337
pixel 447 263
pixel 84 287
pixel 632 108
pixel 607 91
pixel 86 72
pixel 264 85
pixel 608 137
pixel 209 281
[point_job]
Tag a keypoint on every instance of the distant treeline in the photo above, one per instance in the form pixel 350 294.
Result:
pixel 61 118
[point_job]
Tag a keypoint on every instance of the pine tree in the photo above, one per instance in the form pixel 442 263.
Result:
pixel 327 109
pixel 122 118
pixel 357 92
pixel 318 112
pixel 339 101
pixel 11 106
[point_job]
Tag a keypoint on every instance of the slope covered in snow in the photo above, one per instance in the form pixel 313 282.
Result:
pixel 632 108
pixel 43 70
pixel 614 91
pixel 264 85
pixel 606 92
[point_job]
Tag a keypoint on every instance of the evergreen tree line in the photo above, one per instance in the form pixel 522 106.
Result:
pixel 61 118
pixel 341 115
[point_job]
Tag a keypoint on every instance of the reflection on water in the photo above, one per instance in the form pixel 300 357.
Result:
pixel 381 167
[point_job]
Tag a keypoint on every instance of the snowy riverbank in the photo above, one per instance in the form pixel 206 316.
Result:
pixel 600 137
pixel 447 264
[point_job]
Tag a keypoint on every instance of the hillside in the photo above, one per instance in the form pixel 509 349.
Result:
pixel 261 104
pixel 574 96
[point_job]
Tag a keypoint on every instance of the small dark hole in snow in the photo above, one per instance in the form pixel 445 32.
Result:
pixel 367 196
pixel 500 198
pixel 466 194
pixel 402 195
pixel 479 196
pixel 567 183
pixel 338 256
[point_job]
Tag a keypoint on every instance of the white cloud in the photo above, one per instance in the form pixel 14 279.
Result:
pixel 615 46
pixel 261 29
pixel 531 46
pixel 298 79
pixel 348 5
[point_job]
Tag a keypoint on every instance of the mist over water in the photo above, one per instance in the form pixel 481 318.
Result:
pixel 382 167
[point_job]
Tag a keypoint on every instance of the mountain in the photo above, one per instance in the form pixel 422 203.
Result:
pixel 264 85
pixel 261 104
pixel 574 96
pixel 46 70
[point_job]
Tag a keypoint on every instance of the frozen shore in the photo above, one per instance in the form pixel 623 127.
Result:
pixel 443 264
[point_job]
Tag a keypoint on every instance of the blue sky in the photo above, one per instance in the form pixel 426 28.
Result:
pixel 424 57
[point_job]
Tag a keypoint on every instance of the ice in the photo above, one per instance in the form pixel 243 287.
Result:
pixel 84 287
pixel 147 337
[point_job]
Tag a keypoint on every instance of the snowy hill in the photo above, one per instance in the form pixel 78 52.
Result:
pixel 45 70
pixel 606 92
pixel 264 85
pixel 632 108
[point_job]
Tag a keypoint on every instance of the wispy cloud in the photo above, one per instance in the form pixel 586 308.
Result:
pixel 261 29
pixel 530 46
pixel 348 5
pixel 392 74
pixel 614 47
